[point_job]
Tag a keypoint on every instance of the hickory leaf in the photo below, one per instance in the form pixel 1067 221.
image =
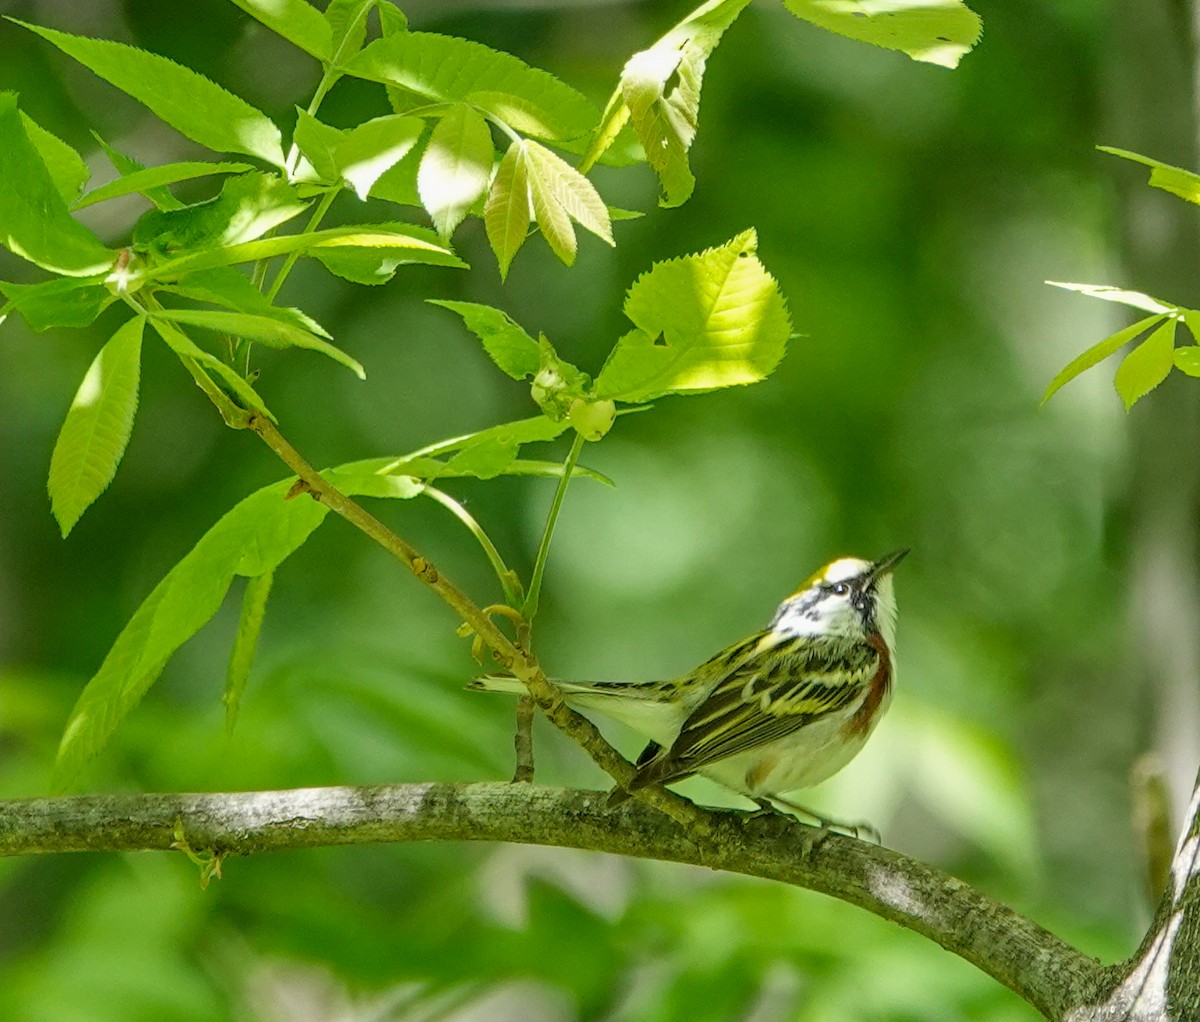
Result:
pixel 1175 180
pixel 66 167
pixel 1147 365
pixel 193 105
pixel 254 606
pixel 714 319
pixel 146 180
pixel 63 301
pixel 298 22
pixel 97 427
pixel 506 342
pixel 1097 353
pixel 932 31
pixel 455 167
pixel 34 221
pixel 507 213
pixel 368 150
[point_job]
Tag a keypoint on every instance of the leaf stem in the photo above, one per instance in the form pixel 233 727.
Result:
pixel 310 227
pixel 506 576
pixel 529 609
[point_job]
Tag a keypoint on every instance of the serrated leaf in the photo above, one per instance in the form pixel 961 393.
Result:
pixel 392 20
pixel 66 167
pixel 299 23
pixel 34 222
pixel 403 242
pixel 507 213
pixel 1097 353
pixel 348 25
pixel 571 190
pixel 97 427
pixel 269 330
pixel 399 183
pixel 245 643
pixel 251 539
pixel 1147 365
pixel 932 31
pixel 505 341
pixel 1187 359
pixel 1175 180
pixel 371 256
pixel 142 181
pixel 427 66
pixel 551 218
pixel 660 87
pixel 63 301
pixel 455 167
pixel 318 143
pixel 193 105
pixel 1120 295
pixel 367 151
pixel 125 165
pixel 247 207
pixel 715 319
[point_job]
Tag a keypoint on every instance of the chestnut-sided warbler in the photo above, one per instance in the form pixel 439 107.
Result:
pixel 781 710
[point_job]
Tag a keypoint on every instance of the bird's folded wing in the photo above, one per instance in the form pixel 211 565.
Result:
pixel 756 704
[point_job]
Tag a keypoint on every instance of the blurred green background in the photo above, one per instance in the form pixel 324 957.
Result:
pixel 910 214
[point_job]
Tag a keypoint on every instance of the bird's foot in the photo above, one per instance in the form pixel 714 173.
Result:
pixel 858 831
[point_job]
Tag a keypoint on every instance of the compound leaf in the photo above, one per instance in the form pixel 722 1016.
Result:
pixel 1097 353
pixel 455 167
pixel 299 23
pixel 1147 365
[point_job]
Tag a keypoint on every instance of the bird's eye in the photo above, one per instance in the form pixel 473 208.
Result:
pixel 841 589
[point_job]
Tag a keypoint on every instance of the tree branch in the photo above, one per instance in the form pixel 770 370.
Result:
pixel 1050 974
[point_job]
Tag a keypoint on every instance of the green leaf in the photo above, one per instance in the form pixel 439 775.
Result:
pixel 660 88
pixel 392 20
pixel 63 301
pixel 715 319
pixel 185 348
pixel 1147 365
pixel 254 606
pixel 125 165
pixel 568 188
pixel 97 427
pixel 34 222
pixel 193 105
pixel 1120 295
pixel 1097 353
pixel 365 152
pixel 143 181
pixel 251 539
pixel 932 31
pixel 1175 180
pixel 508 212
pixel 1187 359
pixel 348 26
pixel 317 143
pixel 372 257
pixel 455 167
pixel 67 168
pixel 402 243
pixel 399 183
pixel 551 218
pixel 509 346
pixel 299 23
pixel 247 207
pixel 269 330
pixel 423 66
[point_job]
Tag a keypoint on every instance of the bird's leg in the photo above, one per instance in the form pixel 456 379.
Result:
pixel 855 830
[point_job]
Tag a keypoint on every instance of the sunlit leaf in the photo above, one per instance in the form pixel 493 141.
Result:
pixel 1187 359
pixel 229 378
pixel 245 643
pixel 423 66
pixel 1175 180
pixel 371 258
pixel 125 165
pixel 455 167
pixel 509 346
pixel 318 143
pixel 1097 353
pixel 348 26
pixel 34 222
pixel 371 148
pixel 933 31
pixel 559 191
pixel 299 23
pixel 1147 365
pixel 97 427
pixel 508 211
pixel 1120 295
pixel 142 181
pixel 192 104
pixel 715 319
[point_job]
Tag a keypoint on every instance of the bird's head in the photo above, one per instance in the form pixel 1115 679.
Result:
pixel 848 598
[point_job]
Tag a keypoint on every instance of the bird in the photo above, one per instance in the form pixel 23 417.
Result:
pixel 779 711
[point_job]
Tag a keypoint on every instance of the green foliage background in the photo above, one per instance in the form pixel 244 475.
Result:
pixel 910 215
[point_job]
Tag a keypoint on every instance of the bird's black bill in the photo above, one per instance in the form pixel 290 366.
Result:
pixel 886 564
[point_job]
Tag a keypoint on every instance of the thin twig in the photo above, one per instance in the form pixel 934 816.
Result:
pixel 529 610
